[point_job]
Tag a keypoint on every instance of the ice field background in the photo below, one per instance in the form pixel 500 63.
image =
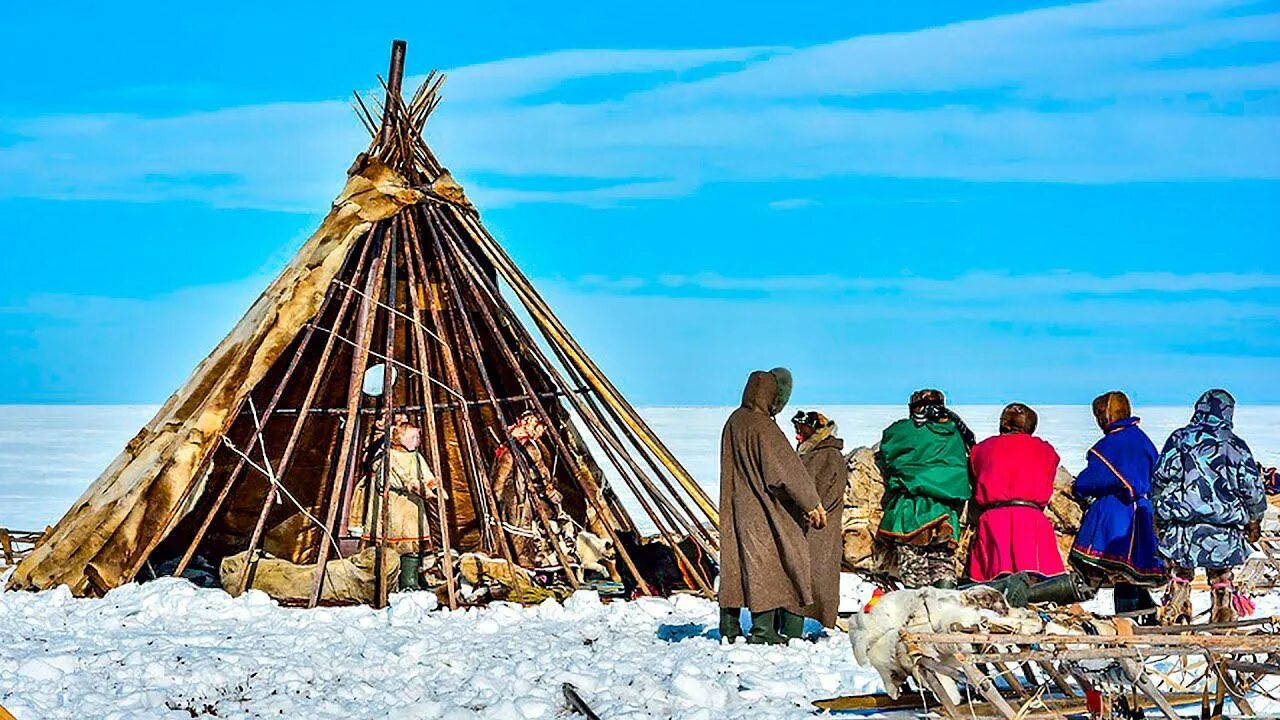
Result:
pixel 50 453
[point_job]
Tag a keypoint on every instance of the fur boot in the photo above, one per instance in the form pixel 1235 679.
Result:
pixel 1176 608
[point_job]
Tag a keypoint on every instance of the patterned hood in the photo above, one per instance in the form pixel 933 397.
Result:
pixel 1215 409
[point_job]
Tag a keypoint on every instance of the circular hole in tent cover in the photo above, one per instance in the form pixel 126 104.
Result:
pixel 373 379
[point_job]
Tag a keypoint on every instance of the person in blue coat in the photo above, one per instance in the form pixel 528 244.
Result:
pixel 1116 544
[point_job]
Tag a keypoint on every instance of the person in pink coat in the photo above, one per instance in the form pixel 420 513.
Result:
pixel 1013 480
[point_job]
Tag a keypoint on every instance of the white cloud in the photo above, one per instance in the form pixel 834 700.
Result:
pixel 970 286
pixel 1110 91
pixel 793 203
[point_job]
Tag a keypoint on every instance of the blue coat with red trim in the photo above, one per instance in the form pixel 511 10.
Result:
pixel 1117 538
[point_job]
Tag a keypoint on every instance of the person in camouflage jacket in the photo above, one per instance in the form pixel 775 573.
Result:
pixel 1208 497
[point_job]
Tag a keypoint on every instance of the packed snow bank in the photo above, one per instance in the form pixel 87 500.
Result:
pixel 170 650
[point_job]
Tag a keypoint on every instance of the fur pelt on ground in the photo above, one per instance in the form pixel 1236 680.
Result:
pixel 876 635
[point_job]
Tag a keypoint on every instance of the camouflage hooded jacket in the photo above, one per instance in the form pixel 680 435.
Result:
pixel 1206 487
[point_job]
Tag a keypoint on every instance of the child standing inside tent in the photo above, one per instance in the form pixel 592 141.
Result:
pixel 925 462
pixel 411 512
pixel 1116 543
pixel 1209 498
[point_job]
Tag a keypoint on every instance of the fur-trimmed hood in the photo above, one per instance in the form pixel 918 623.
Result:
pixel 824 437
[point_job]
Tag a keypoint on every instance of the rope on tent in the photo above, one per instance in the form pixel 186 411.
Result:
pixel 392 310
pixel 407 368
pixel 283 490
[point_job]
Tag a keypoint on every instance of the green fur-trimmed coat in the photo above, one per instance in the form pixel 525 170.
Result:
pixel 926 477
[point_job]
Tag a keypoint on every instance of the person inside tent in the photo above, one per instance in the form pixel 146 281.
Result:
pixel 516 492
pixel 924 459
pixel 411 512
pixel 767 499
pixel 822 454
pixel 1209 500
pixel 1116 543
pixel 1014 546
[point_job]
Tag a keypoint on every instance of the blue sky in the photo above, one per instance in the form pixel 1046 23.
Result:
pixel 1006 200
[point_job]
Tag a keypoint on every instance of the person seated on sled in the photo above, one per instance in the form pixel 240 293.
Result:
pixel 767 499
pixel 516 492
pixel 1209 499
pixel 924 459
pixel 411 512
pixel 822 454
pixel 1014 546
pixel 1116 543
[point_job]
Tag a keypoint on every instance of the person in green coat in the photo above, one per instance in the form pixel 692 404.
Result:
pixel 925 463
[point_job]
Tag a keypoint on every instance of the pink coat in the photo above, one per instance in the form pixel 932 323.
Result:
pixel 1013 538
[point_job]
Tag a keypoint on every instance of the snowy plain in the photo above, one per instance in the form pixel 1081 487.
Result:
pixel 169 650
pixel 50 453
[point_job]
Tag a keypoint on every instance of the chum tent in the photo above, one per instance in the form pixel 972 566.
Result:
pixel 396 306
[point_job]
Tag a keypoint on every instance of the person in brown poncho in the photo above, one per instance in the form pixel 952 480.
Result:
pixel 822 454
pixel 766 500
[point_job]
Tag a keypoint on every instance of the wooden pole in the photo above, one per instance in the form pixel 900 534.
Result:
pixel 388 403
pixel 581 476
pixel 347 456
pixel 271 408
pixel 469 448
pixel 395 77
pixel 429 416
pixel 551 325
pixel 517 453
pixel 476 279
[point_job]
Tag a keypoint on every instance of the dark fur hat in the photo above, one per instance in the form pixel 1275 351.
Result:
pixel 1018 418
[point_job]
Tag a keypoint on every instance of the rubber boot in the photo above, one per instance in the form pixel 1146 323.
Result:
pixel 409 566
pixel 790 625
pixel 1061 590
pixel 764 629
pixel 1017 590
pixel 730 624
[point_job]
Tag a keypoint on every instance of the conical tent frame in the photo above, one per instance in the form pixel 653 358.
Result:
pixel 417 292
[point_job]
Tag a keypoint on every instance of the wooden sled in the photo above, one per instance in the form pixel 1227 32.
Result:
pixel 1055 676
pixel 15 545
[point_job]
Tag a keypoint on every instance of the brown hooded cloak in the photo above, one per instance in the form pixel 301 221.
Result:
pixel 823 455
pixel 764 492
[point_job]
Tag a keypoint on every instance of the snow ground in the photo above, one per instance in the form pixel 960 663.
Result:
pixel 170 650
pixel 167 648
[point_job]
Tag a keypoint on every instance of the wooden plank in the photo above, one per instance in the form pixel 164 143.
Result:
pixel 987 687
pixel 1260 641
pixel 935 686
pixel 1058 678
pixel 1144 684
